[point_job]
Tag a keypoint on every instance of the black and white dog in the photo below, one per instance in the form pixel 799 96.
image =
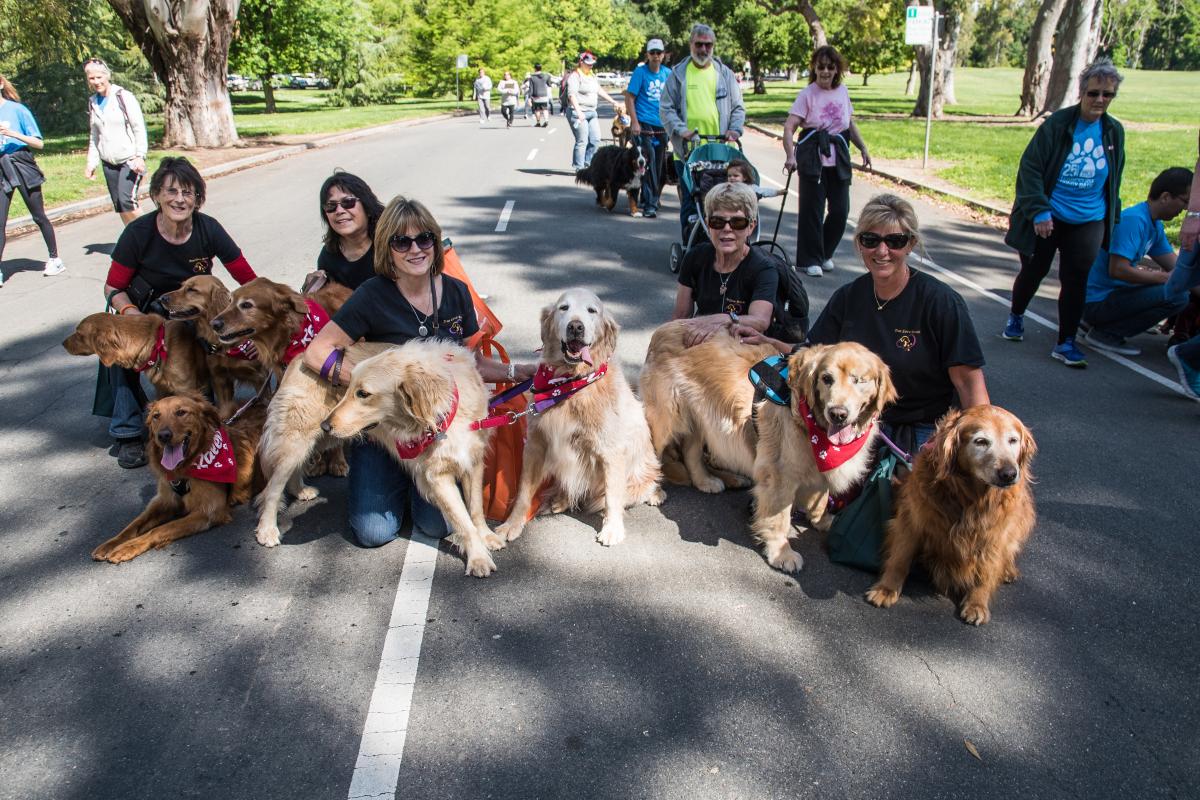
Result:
pixel 612 169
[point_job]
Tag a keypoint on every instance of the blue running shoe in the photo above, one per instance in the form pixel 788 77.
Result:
pixel 1189 378
pixel 1014 331
pixel 1069 354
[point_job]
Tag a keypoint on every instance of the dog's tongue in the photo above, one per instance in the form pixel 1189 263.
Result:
pixel 586 355
pixel 842 436
pixel 172 455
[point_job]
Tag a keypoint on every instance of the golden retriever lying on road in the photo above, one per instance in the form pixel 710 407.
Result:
pixel 965 511
pixel 594 445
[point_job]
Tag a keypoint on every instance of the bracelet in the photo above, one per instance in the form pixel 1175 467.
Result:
pixel 121 310
pixel 1192 214
pixel 329 360
pixel 336 380
pixel 512 372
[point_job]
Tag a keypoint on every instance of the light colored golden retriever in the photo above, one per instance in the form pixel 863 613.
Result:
pixel 965 511
pixel 595 446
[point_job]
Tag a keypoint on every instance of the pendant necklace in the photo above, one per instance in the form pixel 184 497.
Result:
pixel 879 305
pixel 422 328
pixel 725 280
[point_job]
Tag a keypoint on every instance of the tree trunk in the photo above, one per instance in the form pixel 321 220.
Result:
pixel 912 77
pixel 187 45
pixel 269 94
pixel 756 77
pixel 1075 50
pixel 943 82
pixel 1038 58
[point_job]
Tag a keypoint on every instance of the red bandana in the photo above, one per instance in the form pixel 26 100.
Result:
pixel 414 447
pixel 546 386
pixel 159 353
pixel 829 455
pixel 218 463
pixel 314 320
pixel 246 351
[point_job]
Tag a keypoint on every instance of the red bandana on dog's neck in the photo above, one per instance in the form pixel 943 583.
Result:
pixel 545 385
pixel 217 464
pixel 827 454
pixel 314 320
pixel 414 447
pixel 159 353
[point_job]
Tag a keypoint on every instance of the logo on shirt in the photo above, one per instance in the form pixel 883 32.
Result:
pixel 455 326
pixel 1083 163
pixel 201 266
pixel 733 306
pixel 907 340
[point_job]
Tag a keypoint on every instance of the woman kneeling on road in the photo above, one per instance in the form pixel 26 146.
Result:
pixel 918 325
pixel 408 298
pixel 725 281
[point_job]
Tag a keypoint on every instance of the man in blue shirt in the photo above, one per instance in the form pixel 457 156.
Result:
pixel 1123 299
pixel 643 93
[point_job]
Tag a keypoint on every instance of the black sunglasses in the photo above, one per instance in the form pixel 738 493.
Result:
pixel 346 203
pixel 401 244
pixel 1098 93
pixel 654 52
pixel 737 223
pixel 894 241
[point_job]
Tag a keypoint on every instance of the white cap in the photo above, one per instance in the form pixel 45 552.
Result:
pixel 655 44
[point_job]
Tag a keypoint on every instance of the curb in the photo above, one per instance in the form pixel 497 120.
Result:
pixel 81 209
pixel 977 205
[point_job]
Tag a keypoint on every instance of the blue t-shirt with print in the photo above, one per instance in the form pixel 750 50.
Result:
pixel 19 119
pixel 1078 197
pixel 1137 235
pixel 646 88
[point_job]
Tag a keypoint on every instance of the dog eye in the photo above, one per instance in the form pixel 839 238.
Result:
pixel 564 307
pixel 981 441
pixel 155 415
pixel 827 379
pixel 362 394
pixel 245 304
pixel 179 412
pixel 591 311
pixel 1014 440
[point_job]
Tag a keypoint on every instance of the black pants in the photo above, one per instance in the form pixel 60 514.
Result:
pixel 819 232
pixel 33 200
pixel 507 113
pixel 1076 246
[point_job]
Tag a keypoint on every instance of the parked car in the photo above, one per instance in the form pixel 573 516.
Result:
pixel 236 83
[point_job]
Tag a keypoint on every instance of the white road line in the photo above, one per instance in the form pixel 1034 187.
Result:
pixel 532 154
pixel 382 746
pixel 502 225
pixel 552 130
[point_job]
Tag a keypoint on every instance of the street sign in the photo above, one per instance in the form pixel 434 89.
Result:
pixel 461 63
pixel 918 25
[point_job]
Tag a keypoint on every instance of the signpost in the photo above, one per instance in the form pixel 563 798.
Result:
pixel 921 28
pixel 460 64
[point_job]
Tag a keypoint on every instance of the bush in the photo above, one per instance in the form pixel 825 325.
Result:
pixel 373 91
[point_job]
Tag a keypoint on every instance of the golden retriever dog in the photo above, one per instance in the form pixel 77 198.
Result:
pixel 426 397
pixel 595 445
pixel 203 470
pixel 965 511
pixel 278 319
pixel 174 363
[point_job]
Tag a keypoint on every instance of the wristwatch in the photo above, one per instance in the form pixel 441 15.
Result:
pixel 512 371
pixel 734 318
pixel 1192 214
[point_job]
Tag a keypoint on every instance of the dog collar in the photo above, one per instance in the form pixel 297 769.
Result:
pixel 829 455
pixel 414 447
pixel 313 322
pixel 159 353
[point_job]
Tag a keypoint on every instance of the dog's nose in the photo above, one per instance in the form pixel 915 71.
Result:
pixel 325 426
pixel 1007 474
pixel 164 436
pixel 217 324
pixel 575 329
pixel 838 414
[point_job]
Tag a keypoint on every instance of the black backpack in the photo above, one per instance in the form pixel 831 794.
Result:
pixel 789 321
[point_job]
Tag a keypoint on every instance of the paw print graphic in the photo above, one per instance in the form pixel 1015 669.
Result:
pixel 1085 160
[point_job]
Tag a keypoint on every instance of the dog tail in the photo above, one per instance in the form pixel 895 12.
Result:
pixel 584 176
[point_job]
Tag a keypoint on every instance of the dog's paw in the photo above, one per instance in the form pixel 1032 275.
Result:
pixel 787 560
pixel 611 535
pixel 268 535
pixel 494 541
pixel 337 467
pixel 975 613
pixel 101 552
pixel 1011 573
pixel 822 524
pixel 656 497
pixel 510 531
pixel 126 551
pixel 308 493
pixel 881 596
pixel 480 566
pixel 315 467
pixel 710 484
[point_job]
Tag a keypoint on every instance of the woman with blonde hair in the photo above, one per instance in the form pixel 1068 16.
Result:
pixel 19 172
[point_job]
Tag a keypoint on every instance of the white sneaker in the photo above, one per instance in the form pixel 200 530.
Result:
pixel 828 265
pixel 814 271
pixel 53 267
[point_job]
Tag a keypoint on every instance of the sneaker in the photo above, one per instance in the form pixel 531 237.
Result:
pixel 649 213
pixel 1069 354
pixel 1109 343
pixel 131 454
pixel 1189 378
pixel 54 266
pixel 814 271
pixel 1014 329
pixel 827 265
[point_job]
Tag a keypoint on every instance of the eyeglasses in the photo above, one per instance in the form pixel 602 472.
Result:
pixel 1098 93
pixel 703 45
pixel 736 223
pixel 401 244
pixel 345 202
pixel 174 191
pixel 654 52
pixel 894 241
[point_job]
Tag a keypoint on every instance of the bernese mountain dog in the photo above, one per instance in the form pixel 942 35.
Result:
pixel 612 169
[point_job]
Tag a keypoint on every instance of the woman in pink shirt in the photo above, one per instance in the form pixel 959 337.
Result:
pixel 823 112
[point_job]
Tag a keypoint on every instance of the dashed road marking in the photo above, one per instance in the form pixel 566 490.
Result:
pixel 532 154
pixel 502 224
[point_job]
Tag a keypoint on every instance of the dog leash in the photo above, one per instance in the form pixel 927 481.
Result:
pixel 895 448
pixel 250 402
pixel 545 396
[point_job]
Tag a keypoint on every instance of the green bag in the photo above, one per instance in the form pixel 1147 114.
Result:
pixel 856 537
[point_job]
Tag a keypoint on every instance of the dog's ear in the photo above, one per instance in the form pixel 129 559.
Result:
pixel 802 371
pixel 1028 445
pixel 885 390
pixel 548 332
pixel 424 393
pixel 219 298
pixel 206 412
pixel 297 302
pixel 945 445
pixel 606 337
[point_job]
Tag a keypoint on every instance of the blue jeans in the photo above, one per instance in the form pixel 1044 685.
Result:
pixel 380 493
pixel 654 148
pixel 587 137
pixel 1130 310
pixel 129 404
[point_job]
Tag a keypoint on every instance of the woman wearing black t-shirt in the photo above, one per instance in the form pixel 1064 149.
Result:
pixel 408 298
pixel 918 325
pixel 349 211
pixel 156 253
pixel 725 281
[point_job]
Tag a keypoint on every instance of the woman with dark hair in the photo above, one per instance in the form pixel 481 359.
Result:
pixel 20 173
pixel 156 253
pixel 408 298
pixel 823 112
pixel 350 211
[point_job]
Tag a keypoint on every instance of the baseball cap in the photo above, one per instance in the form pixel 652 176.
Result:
pixel 587 57
pixel 655 44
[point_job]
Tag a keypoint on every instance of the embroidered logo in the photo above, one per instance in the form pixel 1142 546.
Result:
pixel 907 342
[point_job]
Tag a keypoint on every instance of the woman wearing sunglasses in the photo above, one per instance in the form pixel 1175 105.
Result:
pixel 350 211
pixel 1068 201
pixel 407 298
pixel 725 281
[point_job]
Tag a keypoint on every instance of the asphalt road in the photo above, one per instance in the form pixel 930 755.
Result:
pixel 677 665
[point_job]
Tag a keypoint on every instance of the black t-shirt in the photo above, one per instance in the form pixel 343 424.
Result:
pixel 756 278
pixel 539 86
pixel 919 334
pixel 346 272
pixel 143 249
pixel 378 312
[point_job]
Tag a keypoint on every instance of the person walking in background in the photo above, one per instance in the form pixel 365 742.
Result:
pixel 823 112
pixel 701 96
pixel 509 89
pixel 1185 357
pixel 583 92
pixel 644 93
pixel 538 94
pixel 482 92
pixel 117 139
pixel 19 171
pixel 1068 202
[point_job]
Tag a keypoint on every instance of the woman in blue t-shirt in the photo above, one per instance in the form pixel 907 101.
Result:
pixel 1068 201
pixel 408 298
pixel 20 173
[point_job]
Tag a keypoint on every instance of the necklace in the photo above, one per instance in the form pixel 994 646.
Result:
pixel 880 305
pixel 422 328
pixel 725 280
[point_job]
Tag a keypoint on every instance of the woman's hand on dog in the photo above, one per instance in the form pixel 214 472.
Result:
pixel 747 335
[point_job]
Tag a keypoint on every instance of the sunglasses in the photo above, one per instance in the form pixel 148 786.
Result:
pixel 401 244
pixel 654 52
pixel 1098 93
pixel 894 241
pixel 346 203
pixel 737 223
pixel 703 45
